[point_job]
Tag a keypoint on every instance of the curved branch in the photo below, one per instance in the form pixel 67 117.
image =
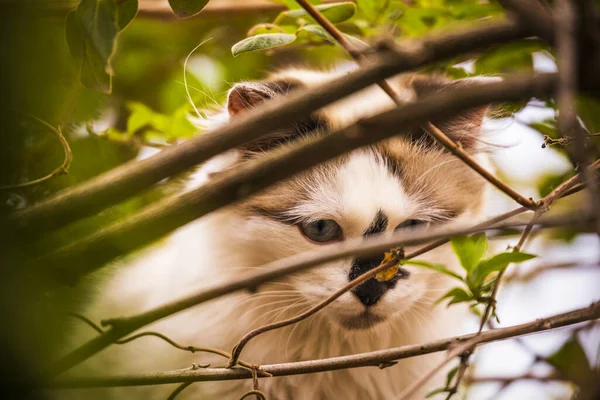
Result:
pixel 63 169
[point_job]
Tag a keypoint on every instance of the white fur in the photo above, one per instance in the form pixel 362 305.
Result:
pixel 225 244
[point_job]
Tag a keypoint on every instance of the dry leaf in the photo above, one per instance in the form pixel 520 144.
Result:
pixel 388 273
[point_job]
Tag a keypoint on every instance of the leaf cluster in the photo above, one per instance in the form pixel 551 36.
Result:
pixel 478 274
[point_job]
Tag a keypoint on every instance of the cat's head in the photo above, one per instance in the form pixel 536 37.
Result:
pixel 404 183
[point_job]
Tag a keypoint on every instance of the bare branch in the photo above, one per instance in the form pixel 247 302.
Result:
pixel 76 259
pixel 468 346
pixel 61 170
pixel 370 359
pixel 121 327
pixel 125 181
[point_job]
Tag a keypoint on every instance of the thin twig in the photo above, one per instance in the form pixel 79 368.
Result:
pixel 429 127
pixel 63 169
pixel 490 308
pixel 191 349
pixel 369 359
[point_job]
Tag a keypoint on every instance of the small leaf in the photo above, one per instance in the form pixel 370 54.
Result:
pixel 451 374
pixel 572 362
pixel 317 31
pixel 496 263
pixel 456 295
pixel 91 32
pixel 126 12
pixel 589 111
pixel 436 391
pixel 262 42
pixel 334 12
pixel 390 272
pixel 321 33
pixel 187 8
pixel 469 249
pixel 435 267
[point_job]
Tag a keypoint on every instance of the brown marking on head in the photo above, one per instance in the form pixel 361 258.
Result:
pixel 244 96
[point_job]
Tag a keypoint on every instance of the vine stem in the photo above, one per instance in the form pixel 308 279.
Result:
pixel 63 169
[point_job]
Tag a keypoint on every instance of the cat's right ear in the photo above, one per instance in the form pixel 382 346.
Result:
pixel 244 96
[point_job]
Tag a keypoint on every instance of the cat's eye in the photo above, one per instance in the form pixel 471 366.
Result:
pixel 321 230
pixel 411 223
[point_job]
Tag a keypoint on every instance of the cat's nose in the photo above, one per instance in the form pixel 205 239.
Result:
pixel 371 291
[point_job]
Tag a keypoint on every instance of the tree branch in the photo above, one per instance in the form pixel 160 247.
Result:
pixel 74 260
pixel 125 181
pixel 370 359
pixel 470 344
pixel 121 327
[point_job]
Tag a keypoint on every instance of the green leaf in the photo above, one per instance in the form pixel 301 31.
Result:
pixel 436 391
pixel 456 295
pixel 435 267
pixel 91 32
pixel 572 362
pixel 262 42
pixel 321 33
pixel 187 8
pixel 496 263
pixel 334 12
pixel 469 249
pixel 373 8
pixel 546 127
pixel 551 181
pixel 451 374
pixel 318 31
pixel 589 110
pixel 126 12
pixel 508 58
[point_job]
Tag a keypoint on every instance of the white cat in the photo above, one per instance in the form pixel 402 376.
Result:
pixel 402 182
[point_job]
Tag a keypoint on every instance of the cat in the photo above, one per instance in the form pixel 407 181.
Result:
pixel 403 183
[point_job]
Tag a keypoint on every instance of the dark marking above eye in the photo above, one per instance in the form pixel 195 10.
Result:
pixel 392 164
pixel 379 224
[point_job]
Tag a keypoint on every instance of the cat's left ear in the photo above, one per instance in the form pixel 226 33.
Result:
pixel 247 95
pixel 464 128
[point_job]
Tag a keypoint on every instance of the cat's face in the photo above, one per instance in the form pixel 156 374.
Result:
pixel 404 183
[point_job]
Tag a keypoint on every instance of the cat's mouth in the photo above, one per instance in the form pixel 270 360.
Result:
pixel 364 320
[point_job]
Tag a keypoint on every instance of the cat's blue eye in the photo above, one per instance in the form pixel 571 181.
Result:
pixel 321 230
pixel 411 223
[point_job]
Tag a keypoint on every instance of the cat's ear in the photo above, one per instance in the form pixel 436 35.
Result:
pixel 464 128
pixel 247 95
